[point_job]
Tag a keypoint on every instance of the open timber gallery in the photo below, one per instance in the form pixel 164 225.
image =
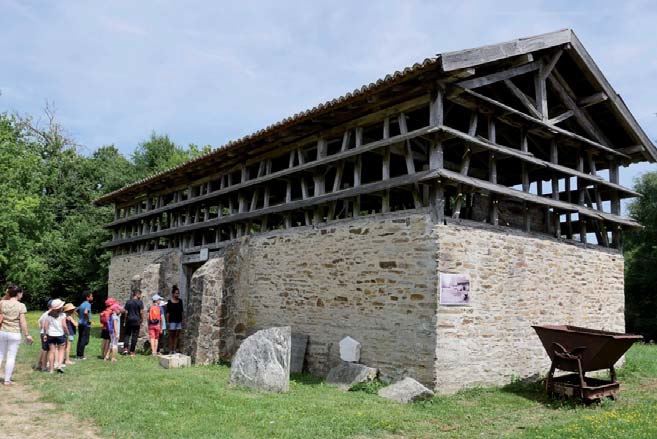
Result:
pixel 498 164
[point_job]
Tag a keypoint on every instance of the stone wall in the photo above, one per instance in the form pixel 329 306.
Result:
pixel 517 280
pixel 373 279
pixel 202 336
pixel 124 268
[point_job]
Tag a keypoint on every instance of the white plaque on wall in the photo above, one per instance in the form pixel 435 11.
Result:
pixel 203 254
pixel 454 289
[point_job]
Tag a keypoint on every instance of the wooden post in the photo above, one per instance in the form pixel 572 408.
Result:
pixel 541 93
pixel 524 147
pixel 614 177
pixel 493 214
pixel 465 166
pixel 554 158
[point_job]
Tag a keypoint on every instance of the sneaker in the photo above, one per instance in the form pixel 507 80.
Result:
pixel 80 358
pixel 132 354
pixel 60 370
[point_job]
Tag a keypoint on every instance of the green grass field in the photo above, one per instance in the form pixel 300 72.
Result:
pixel 136 398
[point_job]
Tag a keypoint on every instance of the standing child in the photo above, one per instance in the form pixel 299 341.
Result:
pixel 114 328
pixel 56 333
pixel 104 332
pixel 72 325
pixel 42 362
pixel 155 323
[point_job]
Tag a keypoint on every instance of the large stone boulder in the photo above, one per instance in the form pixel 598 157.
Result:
pixel 348 374
pixel 262 361
pixel 405 391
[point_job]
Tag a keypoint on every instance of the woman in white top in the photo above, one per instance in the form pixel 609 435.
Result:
pixel 13 323
pixel 55 333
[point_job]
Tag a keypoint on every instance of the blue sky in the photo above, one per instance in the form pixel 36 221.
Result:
pixel 206 72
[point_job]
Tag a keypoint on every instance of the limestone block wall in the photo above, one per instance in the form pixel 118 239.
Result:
pixel 373 279
pixel 517 280
pixel 124 268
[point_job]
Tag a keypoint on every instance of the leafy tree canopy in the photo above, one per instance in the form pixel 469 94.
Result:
pixel 51 234
pixel 641 260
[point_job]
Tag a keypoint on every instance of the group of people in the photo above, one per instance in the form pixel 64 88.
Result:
pixel 58 327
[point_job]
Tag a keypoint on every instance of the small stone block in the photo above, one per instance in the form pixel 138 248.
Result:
pixel 175 361
pixel 349 350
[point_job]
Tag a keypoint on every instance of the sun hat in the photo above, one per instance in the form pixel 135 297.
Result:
pixel 110 301
pixel 116 307
pixel 57 304
pixel 157 297
pixel 69 307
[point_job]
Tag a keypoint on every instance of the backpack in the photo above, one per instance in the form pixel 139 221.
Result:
pixel 104 317
pixel 154 315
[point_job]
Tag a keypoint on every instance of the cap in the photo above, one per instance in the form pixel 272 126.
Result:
pixel 110 301
pixel 156 297
pixel 50 303
pixel 116 307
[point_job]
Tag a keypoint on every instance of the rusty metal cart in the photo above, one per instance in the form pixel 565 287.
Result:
pixel 582 350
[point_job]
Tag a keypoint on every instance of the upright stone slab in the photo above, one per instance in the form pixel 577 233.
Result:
pixel 149 282
pixel 262 361
pixel 349 350
pixel 299 346
pixel 204 313
pixel 405 391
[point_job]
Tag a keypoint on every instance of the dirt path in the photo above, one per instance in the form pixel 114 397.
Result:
pixel 23 416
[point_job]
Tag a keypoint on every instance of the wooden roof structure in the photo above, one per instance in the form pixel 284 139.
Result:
pixel 632 140
pixel 466 132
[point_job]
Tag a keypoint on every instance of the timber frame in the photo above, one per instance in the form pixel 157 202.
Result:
pixel 502 134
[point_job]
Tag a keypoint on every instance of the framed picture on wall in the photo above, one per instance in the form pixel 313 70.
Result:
pixel 454 289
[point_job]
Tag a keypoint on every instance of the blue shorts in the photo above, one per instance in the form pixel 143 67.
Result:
pixel 59 340
pixel 171 326
pixel 44 344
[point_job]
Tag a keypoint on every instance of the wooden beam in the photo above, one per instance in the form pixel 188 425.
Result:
pixel 528 102
pixel 529 158
pixel 550 63
pixel 520 195
pixel 568 97
pixel 594 99
pixel 479 99
pixel 541 93
pixel 560 118
pixel 426 131
pixel 367 188
pixel 499 76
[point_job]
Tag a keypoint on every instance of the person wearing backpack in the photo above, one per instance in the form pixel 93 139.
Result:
pixel 104 333
pixel 155 323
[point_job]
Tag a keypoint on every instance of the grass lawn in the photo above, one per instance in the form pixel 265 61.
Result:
pixel 136 398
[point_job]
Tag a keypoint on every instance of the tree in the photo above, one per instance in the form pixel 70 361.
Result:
pixel 159 153
pixel 51 233
pixel 641 260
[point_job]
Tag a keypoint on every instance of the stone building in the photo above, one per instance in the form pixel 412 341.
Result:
pixel 499 164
